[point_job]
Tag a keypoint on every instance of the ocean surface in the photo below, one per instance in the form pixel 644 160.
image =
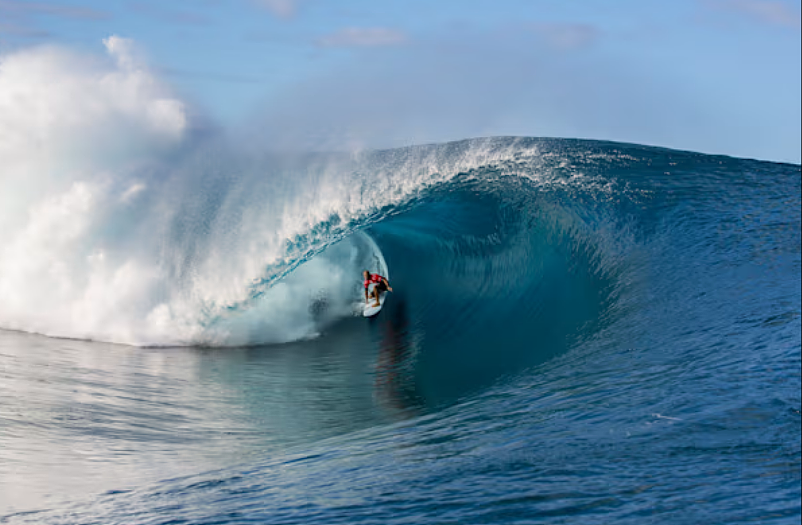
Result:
pixel 580 332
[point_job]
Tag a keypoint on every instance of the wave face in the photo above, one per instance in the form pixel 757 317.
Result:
pixel 123 220
pixel 580 331
pixel 202 246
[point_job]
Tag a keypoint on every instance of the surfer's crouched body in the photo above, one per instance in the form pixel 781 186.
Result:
pixel 381 285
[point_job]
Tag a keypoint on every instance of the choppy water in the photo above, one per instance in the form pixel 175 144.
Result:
pixel 581 332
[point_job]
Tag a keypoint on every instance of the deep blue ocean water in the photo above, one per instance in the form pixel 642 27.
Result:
pixel 580 332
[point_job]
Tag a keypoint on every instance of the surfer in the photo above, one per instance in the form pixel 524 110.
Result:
pixel 380 285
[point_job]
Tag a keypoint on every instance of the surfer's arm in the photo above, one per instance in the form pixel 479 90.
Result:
pixel 387 284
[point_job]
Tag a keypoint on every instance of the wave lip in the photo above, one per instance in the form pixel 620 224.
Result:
pixel 177 249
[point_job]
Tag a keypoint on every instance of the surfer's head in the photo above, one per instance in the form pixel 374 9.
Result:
pixel 366 274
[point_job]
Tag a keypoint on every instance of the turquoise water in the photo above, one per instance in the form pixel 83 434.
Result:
pixel 581 332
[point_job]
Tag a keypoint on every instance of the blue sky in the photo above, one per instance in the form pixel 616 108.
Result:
pixel 717 76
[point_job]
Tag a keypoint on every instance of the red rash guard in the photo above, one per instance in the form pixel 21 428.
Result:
pixel 374 278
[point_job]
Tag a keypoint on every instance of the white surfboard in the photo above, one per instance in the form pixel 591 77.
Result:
pixel 370 310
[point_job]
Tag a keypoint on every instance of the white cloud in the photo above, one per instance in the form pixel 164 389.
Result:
pixel 55 100
pixel 124 52
pixel 774 12
pixel 364 37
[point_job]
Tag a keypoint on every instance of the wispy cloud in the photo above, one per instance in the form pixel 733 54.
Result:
pixel 209 76
pixel 774 12
pixel 17 17
pixel 22 31
pixel 280 8
pixel 166 15
pixel 567 36
pixel 363 37
pixel 21 9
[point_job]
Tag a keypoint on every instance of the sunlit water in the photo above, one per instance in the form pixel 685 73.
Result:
pixel 581 332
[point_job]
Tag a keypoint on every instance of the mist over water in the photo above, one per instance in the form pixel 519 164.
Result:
pixel 123 222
